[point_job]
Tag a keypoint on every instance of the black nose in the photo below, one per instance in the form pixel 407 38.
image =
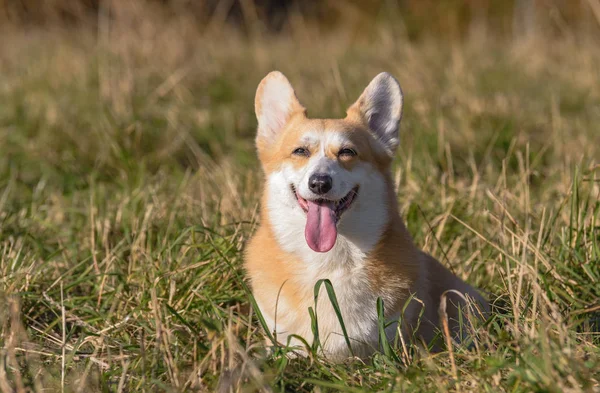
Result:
pixel 320 183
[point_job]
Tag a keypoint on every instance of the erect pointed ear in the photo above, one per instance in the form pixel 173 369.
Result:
pixel 275 103
pixel 380 107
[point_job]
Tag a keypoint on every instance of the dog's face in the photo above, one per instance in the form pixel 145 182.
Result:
pixel 327 177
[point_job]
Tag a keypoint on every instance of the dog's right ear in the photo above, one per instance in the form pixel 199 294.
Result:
pixel 380 107
pixel 275 103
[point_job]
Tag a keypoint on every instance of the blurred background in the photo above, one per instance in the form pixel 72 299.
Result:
pixel 201 60
pixel 453 19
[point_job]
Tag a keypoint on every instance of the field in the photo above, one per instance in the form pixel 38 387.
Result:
pixel 129 184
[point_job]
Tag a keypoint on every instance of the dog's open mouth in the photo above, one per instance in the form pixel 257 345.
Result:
pixel 339 206
pixel 322 216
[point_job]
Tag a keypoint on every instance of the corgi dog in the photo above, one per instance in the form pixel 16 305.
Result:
pixel 329 211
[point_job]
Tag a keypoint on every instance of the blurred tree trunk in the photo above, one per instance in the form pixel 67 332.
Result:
pixel 478 24
pixel 524 19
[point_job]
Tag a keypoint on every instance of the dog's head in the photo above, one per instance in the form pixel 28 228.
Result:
pixel 326 177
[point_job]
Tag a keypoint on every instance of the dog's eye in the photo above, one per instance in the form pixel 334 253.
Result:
pixel 347 152
pixel 301 151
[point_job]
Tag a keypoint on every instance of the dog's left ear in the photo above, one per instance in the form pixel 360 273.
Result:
pixel 380 107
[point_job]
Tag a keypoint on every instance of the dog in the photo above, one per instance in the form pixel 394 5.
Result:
pixel 329 211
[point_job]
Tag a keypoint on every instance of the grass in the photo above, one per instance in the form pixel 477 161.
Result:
pixel 129 184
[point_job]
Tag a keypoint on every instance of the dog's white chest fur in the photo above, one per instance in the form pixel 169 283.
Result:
pixel 355 297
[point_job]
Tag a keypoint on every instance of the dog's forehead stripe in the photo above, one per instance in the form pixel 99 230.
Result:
pixel 324 138
pixel 310 138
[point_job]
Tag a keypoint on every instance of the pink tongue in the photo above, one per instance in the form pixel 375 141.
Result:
pixel 320 231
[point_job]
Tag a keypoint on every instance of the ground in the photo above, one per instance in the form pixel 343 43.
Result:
pixel 129 185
